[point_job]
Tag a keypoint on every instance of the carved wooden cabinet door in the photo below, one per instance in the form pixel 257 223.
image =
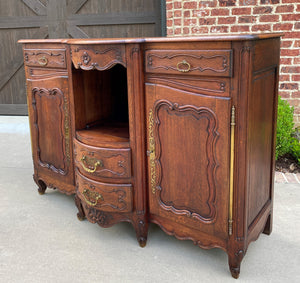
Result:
pixel 49 116
pixel 188 159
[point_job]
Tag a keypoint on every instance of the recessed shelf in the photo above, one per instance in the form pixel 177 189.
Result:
pixel 106 135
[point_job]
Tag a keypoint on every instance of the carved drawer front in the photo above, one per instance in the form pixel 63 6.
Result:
pixel 100 57
pixel 103 196
pixel 194 62
pixel 98 163
pixel 49 58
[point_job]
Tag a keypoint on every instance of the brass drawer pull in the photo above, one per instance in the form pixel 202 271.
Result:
pixel 96 164
pixel 182 64
pixel 43 61
pixel 91 198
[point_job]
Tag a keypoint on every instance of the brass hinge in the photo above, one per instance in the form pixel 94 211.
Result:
pixel 232 128
pixel 151 152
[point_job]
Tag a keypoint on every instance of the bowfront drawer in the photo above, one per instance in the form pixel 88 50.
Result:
pixel 194 62
pixel 100 57
pixel 50 58
pixel 98 163
pixel 103 196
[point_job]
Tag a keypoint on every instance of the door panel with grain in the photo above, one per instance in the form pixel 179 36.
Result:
pixel 188 157
pixel 49 113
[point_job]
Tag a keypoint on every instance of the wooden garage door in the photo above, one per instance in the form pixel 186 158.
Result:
pixel 63 19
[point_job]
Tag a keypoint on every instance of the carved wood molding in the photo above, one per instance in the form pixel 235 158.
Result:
pixel 51 57
pixel 97 216
pixel 122 164
pixel 178 234
pixel 103 218
pixel 198 68
pixel 43 185
pixel 197 113
pixel 217 87
pixel 115 163
pixel 42 73
pixel 214 62
pixel 89 58
pixel 115 199
pixel 120 195
pixel 243 88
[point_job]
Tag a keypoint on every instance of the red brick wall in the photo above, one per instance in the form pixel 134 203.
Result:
pixel 187 17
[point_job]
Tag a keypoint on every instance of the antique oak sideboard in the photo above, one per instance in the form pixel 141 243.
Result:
pixel 175 131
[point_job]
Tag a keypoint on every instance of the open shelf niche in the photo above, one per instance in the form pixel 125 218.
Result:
pixel 101 105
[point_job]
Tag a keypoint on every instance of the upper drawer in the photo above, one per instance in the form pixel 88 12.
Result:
pixel 100 57
pixel 194 62
pixel 50 58
pixel 98 163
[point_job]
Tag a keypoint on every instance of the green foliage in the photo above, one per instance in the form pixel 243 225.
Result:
pixel 295 149
pixel 285 124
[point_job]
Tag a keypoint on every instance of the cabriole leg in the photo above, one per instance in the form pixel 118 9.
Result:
pixel 80 214
pixel 141 232
pixel 235 263
pixel 41 185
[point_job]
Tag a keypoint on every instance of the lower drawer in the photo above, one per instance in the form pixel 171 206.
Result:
pixel 105 197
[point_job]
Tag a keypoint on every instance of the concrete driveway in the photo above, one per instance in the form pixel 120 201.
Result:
pixel 41 239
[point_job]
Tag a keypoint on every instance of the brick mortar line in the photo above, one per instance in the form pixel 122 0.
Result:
pixel 239 7
pixel 181 26
pixel 243 24
pixel 230 10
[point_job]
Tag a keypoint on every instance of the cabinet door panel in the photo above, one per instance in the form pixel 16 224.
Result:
pixel 188 157
pixel 49 117
pixel 50 126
